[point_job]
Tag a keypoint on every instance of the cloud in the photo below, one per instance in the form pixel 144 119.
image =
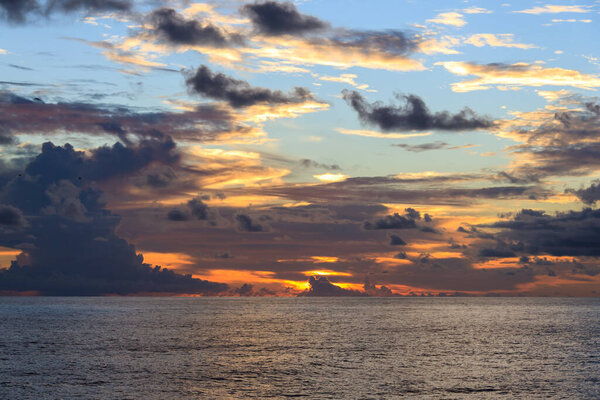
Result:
pixel 239 93
pixel 394 221
pixel 516 75
pixel 572 233
pixel 423 147
pixel 396 240
pixel 412 115
pixel 589 195
pixel 17 11
pixel 11 217
pixel 499 40
pixel 377 134
pixel 281 18
pixel 555 9
pixel 557 141
pixel 329 177
pixel 348 79
pixel 245 224
pixel 476 10
pixel 174 28
pixel 23 116
pixel 195 208
pixel 70 245
pixel 308 163
pixel 449 18
pixel 320 286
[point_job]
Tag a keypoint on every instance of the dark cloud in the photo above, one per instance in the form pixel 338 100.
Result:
pixel 281 18
pixel 573 233
pixel 496 253
pixel 412 115
pixel 11 217
pixel 194 208
pixel 175 29
pixel 178 215
pixel 21 116
pixel 239 93
pixel 88 5
pixel 69 242
pixel 372 290
pixel 245 224
pixel 320 286
pixel 390 41
pixel 589 195
pixel 396 240
pixel 18 11
pixel 394 221
pixel 565 143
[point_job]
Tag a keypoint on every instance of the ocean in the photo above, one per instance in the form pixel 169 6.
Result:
pixel 317 348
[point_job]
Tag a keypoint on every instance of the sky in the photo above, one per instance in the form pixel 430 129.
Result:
pixel 311 148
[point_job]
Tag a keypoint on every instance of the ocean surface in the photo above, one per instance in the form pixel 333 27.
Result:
pixel 318 348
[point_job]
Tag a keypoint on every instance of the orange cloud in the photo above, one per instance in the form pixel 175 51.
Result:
pixel 516 75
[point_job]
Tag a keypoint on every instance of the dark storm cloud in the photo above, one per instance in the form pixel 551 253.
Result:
pixel 573 233
pixel 245 224
pixel 320 286
pixel 103 163
pixel 175 29
pixel 70 243
pixel 589 195
pixel 11 217
pixel 281 18
pixel 20 116
pixel 18 11
pixel 239 93
pixel 412 115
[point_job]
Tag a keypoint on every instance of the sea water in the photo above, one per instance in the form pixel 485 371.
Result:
pixel 318 348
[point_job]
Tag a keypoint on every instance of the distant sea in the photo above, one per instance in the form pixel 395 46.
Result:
pixel 318 348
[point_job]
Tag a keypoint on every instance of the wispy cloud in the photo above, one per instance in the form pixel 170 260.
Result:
pixel 502 76
pixel 556 9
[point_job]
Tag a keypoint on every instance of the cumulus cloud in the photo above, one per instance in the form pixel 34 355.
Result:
pixel 239 93
pixel 194 208
pixel 572 233
pixel 174 28
pixel 412 115
pixel 246 224
pixel 449 18
pixel 394 221
pixel 281 18
pixel 70 243
pixel 589 195
pixel 320 286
